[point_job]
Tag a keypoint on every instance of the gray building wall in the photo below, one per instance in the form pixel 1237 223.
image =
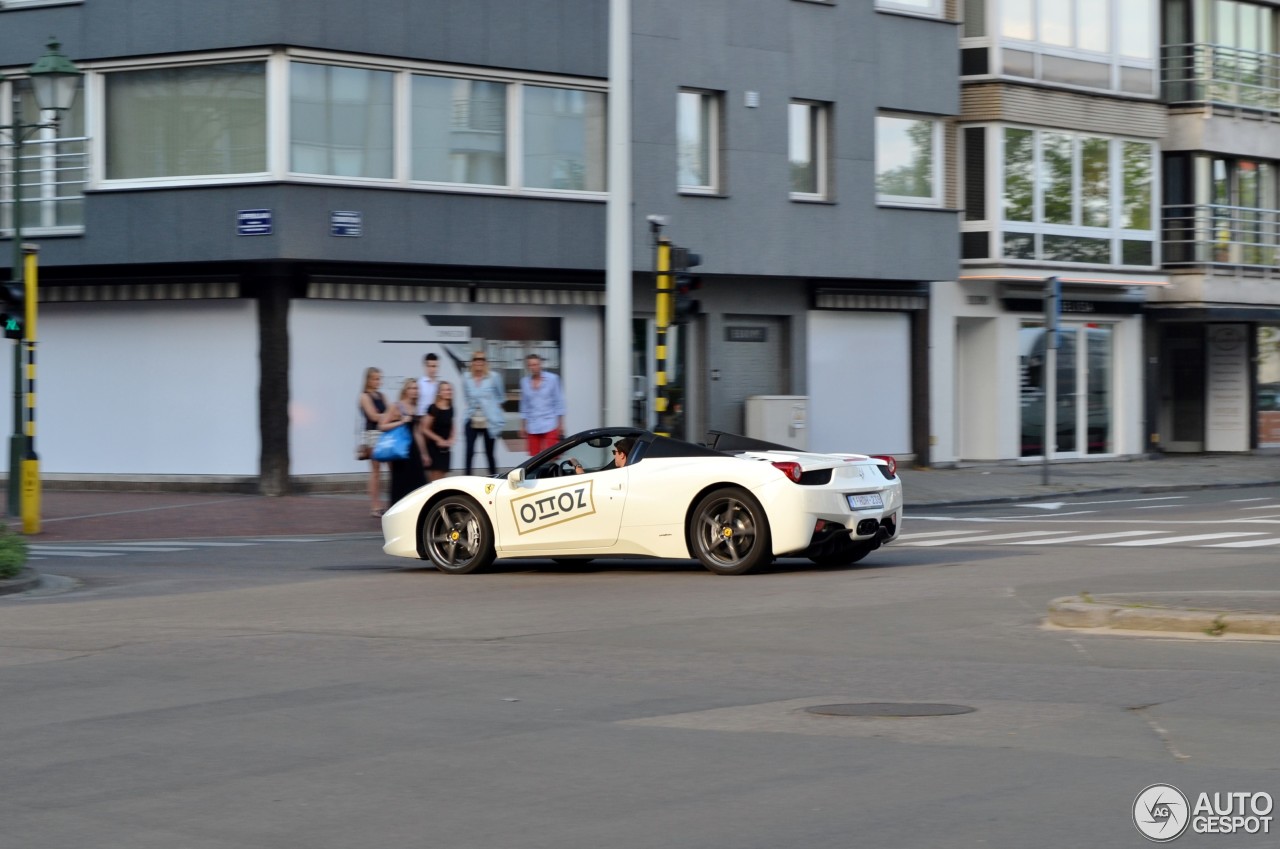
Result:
pixel 847 54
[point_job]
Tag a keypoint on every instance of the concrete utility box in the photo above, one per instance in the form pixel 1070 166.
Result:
pixel 783 419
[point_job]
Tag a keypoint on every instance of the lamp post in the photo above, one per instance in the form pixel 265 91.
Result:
pixel 54 81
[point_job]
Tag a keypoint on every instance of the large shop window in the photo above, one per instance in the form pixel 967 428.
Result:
pixel 1083 409
pixel 1069 197
pixel 184 122
pixel 461 132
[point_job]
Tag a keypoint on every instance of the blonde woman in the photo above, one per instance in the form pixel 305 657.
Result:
pixel 440 430
pixel 407 474
pixel 373 404
pixel 482 411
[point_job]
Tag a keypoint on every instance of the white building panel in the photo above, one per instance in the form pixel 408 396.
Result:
pixel 859 382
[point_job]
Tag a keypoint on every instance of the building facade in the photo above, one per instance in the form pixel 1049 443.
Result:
pixel 1215 331
pixel 244 210
pixel 1059 168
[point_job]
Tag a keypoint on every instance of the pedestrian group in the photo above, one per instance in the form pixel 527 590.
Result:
pixel 415 435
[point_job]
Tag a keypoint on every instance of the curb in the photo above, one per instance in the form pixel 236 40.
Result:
pixel 1081 613
pixel 27 579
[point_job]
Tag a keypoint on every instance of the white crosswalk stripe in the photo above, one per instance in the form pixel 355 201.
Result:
pixel 1084 538
pixel 1246 543
pixel 1186 539
pixel 981 538
pixel 41 551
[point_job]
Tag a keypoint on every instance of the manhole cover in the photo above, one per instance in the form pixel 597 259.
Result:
pixel 890 709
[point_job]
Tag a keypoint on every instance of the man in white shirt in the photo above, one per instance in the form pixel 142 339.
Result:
pixel 541 406
pixel 428 383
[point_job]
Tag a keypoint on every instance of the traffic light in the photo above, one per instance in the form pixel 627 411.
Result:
pixel 14 309
pixel 686 285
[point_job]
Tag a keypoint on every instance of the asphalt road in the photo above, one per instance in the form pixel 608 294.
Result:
pixel 315 693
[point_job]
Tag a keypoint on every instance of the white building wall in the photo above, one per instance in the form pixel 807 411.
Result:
pixel 152 388
pixel 334 341
pixel 974 347
pixel 859 366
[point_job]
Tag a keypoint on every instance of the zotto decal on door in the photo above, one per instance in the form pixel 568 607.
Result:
pixel 544 509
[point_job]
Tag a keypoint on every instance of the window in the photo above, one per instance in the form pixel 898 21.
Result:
pixel 340 121
pixel 459 130
pixel 185 122
pixel 698 141
pixel 908 160
pixel 1070 197
pixel 1099 44
pixel 564 138
pixel 922 7
pixel 52 170
pixel 428 127
pixel 807 149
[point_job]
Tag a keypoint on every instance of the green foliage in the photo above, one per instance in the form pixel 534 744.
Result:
pixel 13 553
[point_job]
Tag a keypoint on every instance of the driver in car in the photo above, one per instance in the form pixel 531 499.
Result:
pixel 621 449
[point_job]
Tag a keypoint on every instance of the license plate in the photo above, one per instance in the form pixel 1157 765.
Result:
pixel 863 501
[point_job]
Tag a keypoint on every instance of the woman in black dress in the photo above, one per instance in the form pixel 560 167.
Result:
pixel 407 474
pixel 440 431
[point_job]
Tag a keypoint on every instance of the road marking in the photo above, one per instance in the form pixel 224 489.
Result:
pixel 40 555
pixel 1261 507
pixel 1247 500
pixel 913 535
pixel 1248 543
pixel 1054 505
pixel 150 543
pixel 114 549
pixel 1193 538
pixel 982 538
pixel 1085 538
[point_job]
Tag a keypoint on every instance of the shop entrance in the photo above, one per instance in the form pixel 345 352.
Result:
pixel 1084 408
pixel 1182 388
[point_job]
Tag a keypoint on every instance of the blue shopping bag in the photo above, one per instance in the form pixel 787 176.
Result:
pixel 393 445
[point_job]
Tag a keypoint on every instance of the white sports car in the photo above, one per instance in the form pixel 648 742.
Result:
pixel 627 492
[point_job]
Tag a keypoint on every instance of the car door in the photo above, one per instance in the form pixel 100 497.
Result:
pixel 561 513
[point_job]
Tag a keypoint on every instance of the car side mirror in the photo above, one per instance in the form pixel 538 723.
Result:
pixel 515 477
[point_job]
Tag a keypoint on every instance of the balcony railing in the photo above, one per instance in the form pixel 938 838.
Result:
pixel 1212 234
pixel 1210 73
pixel 53 174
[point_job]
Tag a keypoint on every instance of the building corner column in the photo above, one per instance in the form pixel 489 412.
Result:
pixel 273 289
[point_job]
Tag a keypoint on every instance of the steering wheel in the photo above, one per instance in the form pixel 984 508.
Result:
pixel 565 467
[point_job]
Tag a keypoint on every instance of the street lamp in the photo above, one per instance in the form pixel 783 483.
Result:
pixel 55 81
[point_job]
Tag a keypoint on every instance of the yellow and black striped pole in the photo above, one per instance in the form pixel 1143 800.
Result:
pixel 30 490
pixel 665 309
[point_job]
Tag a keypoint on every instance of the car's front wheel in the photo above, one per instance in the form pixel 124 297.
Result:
pixel 457 536
pixel 729 532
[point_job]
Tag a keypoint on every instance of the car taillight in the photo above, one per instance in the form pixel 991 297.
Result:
pixel 790 469
pixel 889 461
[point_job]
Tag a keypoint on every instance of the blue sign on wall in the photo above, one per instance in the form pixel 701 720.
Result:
pixel 253 222
pixel 345 223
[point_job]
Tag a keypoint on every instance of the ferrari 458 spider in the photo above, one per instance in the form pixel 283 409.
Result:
pixel 733 505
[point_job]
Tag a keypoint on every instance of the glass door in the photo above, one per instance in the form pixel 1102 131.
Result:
pixel 1083 394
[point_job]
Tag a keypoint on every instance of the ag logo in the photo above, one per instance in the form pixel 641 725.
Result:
pixel 540 510
pixel 1161 812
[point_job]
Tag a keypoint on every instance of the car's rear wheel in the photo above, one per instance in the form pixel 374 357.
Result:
pixel 846 556
pixel 457 536
pixel 729 532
